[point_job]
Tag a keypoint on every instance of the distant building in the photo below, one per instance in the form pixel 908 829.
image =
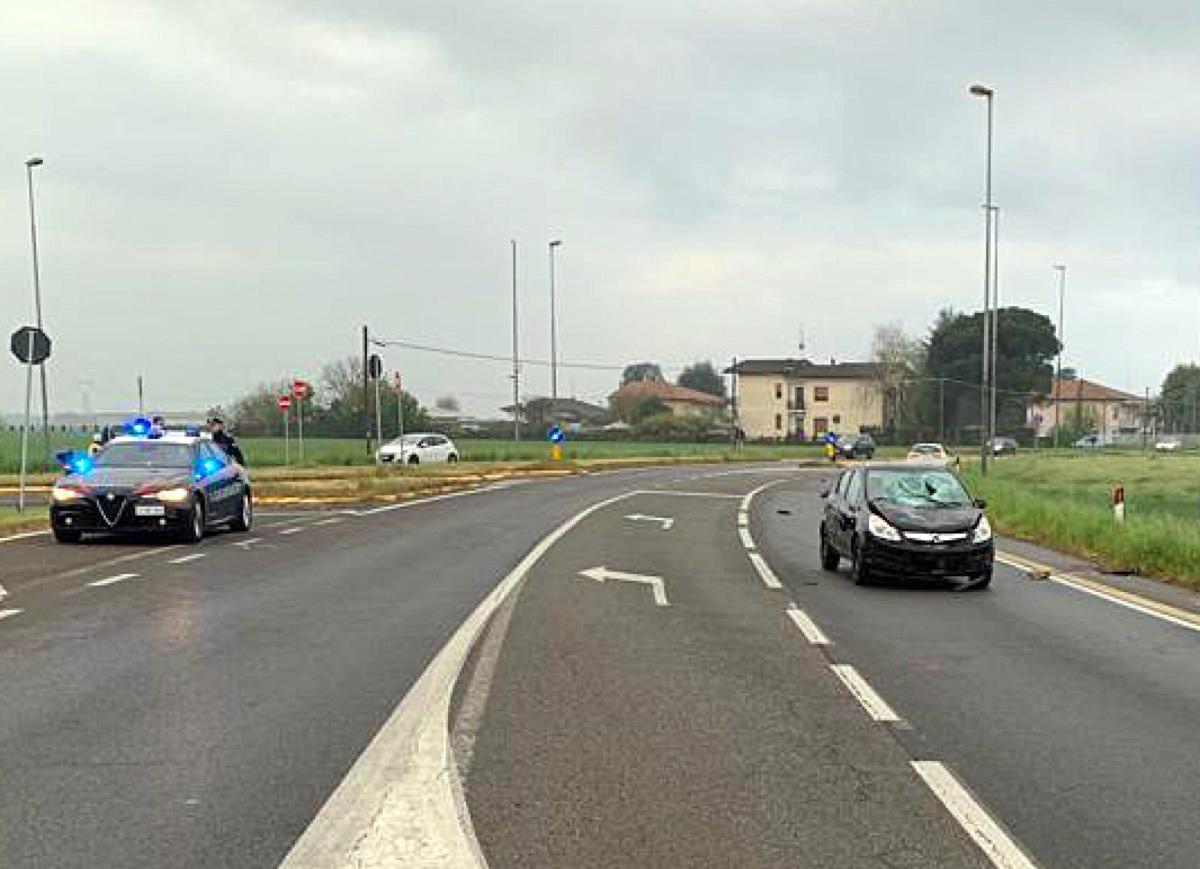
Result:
pixel 796 399
pixel 1087 406
pixel 679 401
pixel 542 411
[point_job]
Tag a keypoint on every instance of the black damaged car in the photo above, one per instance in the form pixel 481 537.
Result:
pixel 906 521
pixel 176 483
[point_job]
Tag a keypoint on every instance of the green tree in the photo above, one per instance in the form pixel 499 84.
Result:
pixel 633 408
pixel 899 364
pixel 1180 398
pixel 641 371
pixel 703 376
pixel 1027 344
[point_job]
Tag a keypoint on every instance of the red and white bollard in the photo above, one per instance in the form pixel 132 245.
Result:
pixel 1118 502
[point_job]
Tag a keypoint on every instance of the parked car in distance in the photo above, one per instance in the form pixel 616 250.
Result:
pixel 1089 442
pixel 928 452
pixel 418 449
pixel 1004 447
pixel 857 447
pixel 1168 445
pixel 906 520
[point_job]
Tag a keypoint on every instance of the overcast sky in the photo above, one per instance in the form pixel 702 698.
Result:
pixel 231 189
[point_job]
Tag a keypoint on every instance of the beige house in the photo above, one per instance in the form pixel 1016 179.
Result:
pixel 801 400
pixel 1087 406
pixel 680 401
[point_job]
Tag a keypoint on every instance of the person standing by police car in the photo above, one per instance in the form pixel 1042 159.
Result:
pixel 225 440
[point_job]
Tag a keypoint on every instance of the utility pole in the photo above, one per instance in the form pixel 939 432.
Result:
pixel 995 317
pixel 553 331
pixel 516 370
pixel 141 398
pixel 366 381
pixel 1062 292
pixel 984 406
pixel 37 301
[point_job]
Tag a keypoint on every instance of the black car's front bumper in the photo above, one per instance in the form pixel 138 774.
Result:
pixel 930 561
pixel 96 514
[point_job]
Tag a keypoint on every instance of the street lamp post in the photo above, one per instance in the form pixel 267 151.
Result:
pixel 516 362
pixel 37 299
pixel 992 383
pixel 1062 292
pixel 984 403
pixel 553 329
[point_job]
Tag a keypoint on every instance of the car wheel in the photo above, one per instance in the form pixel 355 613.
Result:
pixel 66 535
pixel 413 460
pixel 194 532
pixel 245 517
pixel 858 569
pixel 829 555
pixel 452 458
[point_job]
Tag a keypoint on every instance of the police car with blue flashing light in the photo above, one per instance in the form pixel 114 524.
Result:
pixel 150 480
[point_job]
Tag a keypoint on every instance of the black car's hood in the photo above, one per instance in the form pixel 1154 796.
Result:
pixel 128 478
pixel 931 518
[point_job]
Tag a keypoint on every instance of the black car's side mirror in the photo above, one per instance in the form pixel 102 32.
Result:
pixel 981 503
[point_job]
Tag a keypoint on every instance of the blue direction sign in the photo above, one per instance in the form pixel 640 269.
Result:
pixel 556 435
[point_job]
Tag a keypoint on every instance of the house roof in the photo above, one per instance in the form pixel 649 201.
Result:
pixel 664 391
pixel 561 405
pixel 807 368
pixel 1087 390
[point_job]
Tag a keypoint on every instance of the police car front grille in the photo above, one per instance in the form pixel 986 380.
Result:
pixel 110 506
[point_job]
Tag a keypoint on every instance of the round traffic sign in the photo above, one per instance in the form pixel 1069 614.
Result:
pixel 30 345
pixel 556 435
pixel 285 401
pixel 300 388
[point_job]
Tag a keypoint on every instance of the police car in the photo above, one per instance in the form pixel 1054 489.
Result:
pixel 149 480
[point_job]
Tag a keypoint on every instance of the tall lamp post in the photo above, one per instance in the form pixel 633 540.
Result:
pixel 987 93
pixel 516 362
pixel 1062 293
pixel 553 329
pixel 37 299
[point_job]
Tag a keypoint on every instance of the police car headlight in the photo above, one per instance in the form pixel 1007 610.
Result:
pixel 64 494
pixel 173 496
pixel 983 531
pixel 881 528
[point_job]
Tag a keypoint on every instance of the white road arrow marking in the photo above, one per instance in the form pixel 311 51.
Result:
pixel 602 574
pixel 639 517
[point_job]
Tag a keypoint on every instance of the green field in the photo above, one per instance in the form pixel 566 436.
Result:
pixel 1063 500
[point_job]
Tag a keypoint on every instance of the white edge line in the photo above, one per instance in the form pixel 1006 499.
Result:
pixel 807 626
pixel 743 519
pixel 401 802
pixel 983 829
pixel 9 613
pixel 109 580
pixel 875 705
pixel 770 580
pixel 747 540
pixel 331 521
pixel 184 559
pixel 24 535
pixel 1111 598
pixel 295 529
pixel 680 493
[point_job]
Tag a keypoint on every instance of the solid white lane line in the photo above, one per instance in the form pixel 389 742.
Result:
pixel 402 804
pixel 680 493
pixel 331 521
pixel 743 518
pixel 995 843
pixel 109 580
pixel 402 505
pixel 875 705
pixel 1165 614
pixel 4 614
pixel 747 540
pixel 293 530
pixel 770 580
pixel 24 535
pixel 807 626
pixel 184 559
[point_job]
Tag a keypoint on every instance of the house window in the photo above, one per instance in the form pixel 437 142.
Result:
pixel 820 393
pixel 837 419
pixel 778 422
pixel 778 391
pixel 820 425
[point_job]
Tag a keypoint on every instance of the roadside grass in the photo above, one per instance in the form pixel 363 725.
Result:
pixel 1063 500
pixel 33 519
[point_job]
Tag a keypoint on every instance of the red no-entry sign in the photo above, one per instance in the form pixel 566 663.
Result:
pixel 300 388
pixel 285 401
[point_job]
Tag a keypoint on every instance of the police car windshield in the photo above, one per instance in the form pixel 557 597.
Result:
pixel 145 454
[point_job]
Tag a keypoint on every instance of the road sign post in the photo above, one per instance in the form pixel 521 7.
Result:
pixel 399 405
pixel 285 403
pixel 557 438
pixel 300 390
pixel 31 346
pixel 375 369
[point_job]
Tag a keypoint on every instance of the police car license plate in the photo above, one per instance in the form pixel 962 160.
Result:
pixel 150 510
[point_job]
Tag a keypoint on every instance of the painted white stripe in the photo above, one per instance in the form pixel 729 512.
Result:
pixel 770 580
pixel 5 614
pixel 416 502
pixel 401 804
pixel 331 521
pixel 24 535
pixel 109 580
pixel 680 493
pixel 1061 579
pixel 747 540
pixel 296 529
pixel 184 559
pixel 246 543
pixel 995 843
pixel 807 626
pixel 743 518
pixel 875 705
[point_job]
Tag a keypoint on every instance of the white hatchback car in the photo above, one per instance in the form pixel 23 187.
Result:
pixel 419 449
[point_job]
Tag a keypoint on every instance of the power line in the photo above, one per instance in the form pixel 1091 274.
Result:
pixel 490 357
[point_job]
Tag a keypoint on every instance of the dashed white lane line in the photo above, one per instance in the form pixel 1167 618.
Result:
pixel 768 577
pixel 109 580
pixel 24 535
pixel 9 613
pixel 680 493
pixel 331 521
pixel 743 519
pixel 875 705
pixel 807 626
pixel 245 544
pixel 295 529
pixel 184 559
pixel 996 844
pixel 747 540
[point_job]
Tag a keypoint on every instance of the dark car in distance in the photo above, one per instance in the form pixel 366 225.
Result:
pixel 177 483
pixel 906 521
pixel 857 447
